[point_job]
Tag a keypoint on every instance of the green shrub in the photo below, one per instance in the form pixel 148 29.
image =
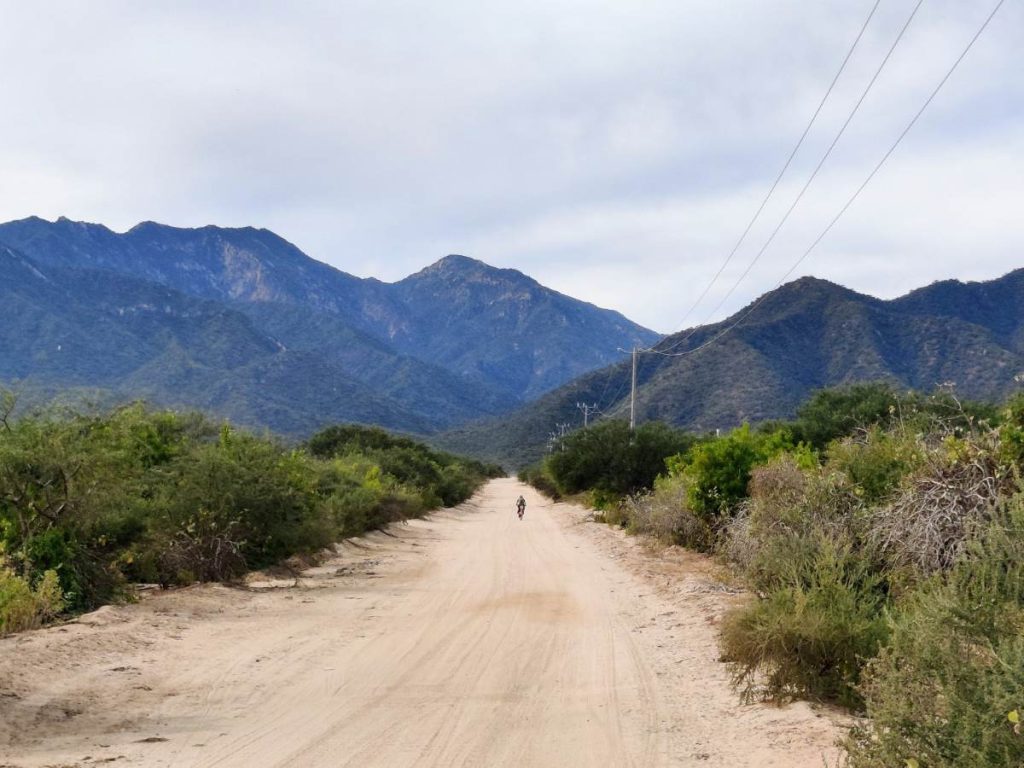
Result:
pixel 242 494
pixel 838 412
pixel 789 511
pixel 609 458
pixel 875 462
pixel 832 414
pixel 61 482
pixel 538 476
pixel 22 607
pixel 720 469
pixel 810 634
pixel 97 501
pixel 942 690
pixel 1011 434
pixel 340 439
pixel 438 478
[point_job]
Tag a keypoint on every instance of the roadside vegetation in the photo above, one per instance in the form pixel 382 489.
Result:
pixel 881 536
pixel 92 504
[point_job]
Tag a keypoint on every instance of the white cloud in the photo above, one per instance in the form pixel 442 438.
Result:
pixel 612 150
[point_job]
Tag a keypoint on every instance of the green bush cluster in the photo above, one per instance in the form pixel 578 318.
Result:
pixel 839 412
pixel 538 476
pixel 93 503
pixel 612 459
pixel 24 607
pixel 809 632
pixel 719 469
pixel 440 478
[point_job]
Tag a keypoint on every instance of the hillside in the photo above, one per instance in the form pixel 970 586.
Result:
pixel 503 325
pixel 242 323
pixel 805 335
pixel 115 338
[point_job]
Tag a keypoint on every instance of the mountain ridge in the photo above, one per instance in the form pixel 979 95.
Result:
pixel 805 335
pixel 443 351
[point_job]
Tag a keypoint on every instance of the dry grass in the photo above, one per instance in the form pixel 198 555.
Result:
pixel 665 515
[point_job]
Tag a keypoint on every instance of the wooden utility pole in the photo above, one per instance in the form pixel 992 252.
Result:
pixel 587 410
pixel 632 396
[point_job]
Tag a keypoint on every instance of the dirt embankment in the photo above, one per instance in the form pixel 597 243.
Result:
pixel 469 639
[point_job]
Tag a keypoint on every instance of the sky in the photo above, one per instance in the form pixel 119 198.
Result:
pixel 614 151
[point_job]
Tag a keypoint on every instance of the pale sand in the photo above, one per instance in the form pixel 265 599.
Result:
pixel 468 639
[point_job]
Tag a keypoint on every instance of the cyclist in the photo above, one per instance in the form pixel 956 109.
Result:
pixel 520 506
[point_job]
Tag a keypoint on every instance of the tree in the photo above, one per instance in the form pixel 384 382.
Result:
pixel 608 458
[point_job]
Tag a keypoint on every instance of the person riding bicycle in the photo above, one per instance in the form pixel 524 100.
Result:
pixel 520 505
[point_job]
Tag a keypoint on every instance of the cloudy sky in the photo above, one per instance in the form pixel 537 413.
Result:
pixel 613 150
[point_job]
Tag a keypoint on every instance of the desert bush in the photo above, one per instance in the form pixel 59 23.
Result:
pixel 102 500
pixel 22 607
pixel 340 439
pixel 838 412
pixel 790 498
pixel 738 545
pixel 439 478
pixel 927 524
pixel 809 634
pixel 946 690
pixel 259 492
pixel 778 494
pixel 67 484
pixel 875 461
pixel 204 550
pixel 616 515
pixel 664 514
pixel 353 490
pixel 781 507
pixel 1011 434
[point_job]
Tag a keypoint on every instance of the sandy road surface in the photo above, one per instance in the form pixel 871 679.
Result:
pixel 470 639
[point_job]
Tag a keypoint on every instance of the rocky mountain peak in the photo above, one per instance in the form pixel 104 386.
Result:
pixel 467 269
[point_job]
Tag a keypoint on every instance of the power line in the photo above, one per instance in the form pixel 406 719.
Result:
pixel 806 186
pixel 814 173
pixel 604 405
pixel 785 167
pixel 770 192
pixel 856 193
pixel 607 384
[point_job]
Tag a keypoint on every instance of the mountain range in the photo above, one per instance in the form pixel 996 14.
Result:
pixel 241 323
pixel 803 336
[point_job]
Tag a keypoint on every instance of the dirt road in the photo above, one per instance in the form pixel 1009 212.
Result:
pixel 470 639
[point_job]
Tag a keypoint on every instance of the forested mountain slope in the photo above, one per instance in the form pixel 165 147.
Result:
pixel 241 322
pixel 803 336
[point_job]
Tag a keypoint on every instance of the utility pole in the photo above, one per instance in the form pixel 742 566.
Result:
pixel 557 438
pixel 632 396
pixel 587 410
